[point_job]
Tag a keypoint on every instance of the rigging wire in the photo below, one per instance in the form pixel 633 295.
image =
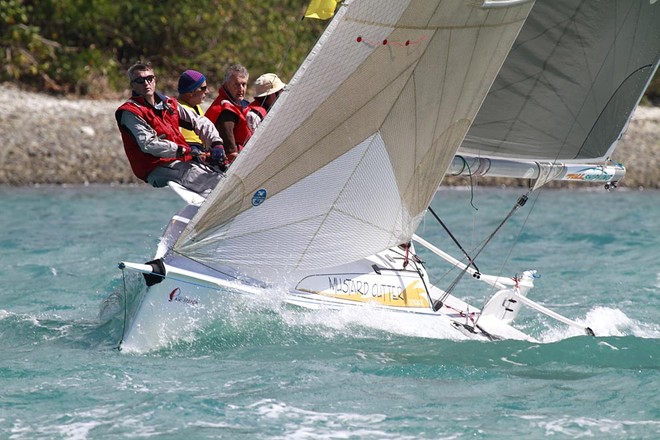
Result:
pixel 470 316
pixel 415 262
pixel 409 257
pixel 123 327
pixel 201 263
pixel 465 162
pixel 296 37
pixel 519 203
pixel 505 260
pixel 470 260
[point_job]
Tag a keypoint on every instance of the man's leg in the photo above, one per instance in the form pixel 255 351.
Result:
pixel 200 178
pixel 191 175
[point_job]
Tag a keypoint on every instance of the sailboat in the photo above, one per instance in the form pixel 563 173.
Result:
pixel 324 202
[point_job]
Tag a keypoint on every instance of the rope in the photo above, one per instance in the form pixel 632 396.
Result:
pixel 461 313
pixel 405 259
pixel 471 184
pixel 421 277
pixel 470 260
pixel 520 203
pixel 201 263
pixel 522 227
pixel 123 328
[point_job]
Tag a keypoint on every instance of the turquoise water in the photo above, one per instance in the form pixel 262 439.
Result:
pixel 271 372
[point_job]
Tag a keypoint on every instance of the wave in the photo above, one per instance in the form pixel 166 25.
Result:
pixel 265 327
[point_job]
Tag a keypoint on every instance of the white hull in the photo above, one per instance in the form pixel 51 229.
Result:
pixel 192 295
pixel 174 309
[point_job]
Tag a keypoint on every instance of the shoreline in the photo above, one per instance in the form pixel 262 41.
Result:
pixel 64 141
pixel 481 187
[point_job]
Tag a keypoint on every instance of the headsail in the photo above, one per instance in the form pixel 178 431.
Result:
pixel 350 156
pixel 570 83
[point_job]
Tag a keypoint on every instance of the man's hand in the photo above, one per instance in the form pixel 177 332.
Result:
pixel 218 155
pixel 199 155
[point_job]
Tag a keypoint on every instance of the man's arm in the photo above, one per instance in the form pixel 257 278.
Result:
pixel 202 126
pixel 225 125
pixel 147 138
pixel 253 120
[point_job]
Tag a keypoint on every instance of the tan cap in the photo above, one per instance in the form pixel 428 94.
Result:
pixel 267 84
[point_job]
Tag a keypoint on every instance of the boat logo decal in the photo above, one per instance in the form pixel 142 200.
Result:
pixel 175 295
pixel 259 197
pixel 590 174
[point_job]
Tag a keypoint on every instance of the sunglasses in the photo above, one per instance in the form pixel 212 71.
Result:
pixel 143 79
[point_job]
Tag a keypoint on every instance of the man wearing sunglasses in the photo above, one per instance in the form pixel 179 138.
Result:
pixel 157 151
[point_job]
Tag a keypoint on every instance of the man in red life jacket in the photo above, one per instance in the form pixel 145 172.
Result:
pixel 157 151
pixel 227 111
pixel 267 89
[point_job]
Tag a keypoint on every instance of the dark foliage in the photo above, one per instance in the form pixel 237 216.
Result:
pixel 85 46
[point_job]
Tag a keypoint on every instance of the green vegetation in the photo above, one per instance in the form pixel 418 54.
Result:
pixel 84 47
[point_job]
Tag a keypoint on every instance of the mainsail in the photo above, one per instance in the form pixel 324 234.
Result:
pixel 352 153
pixel 570 83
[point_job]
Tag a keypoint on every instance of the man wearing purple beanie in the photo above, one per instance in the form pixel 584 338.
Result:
pixel 192 92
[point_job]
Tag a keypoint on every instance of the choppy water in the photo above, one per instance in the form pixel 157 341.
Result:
pixel 271 372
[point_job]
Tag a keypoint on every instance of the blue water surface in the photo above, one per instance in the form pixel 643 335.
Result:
pixel 272 372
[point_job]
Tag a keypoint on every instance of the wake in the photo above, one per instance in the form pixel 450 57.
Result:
pixel 604 321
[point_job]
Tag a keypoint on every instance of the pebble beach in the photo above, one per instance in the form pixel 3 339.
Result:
pixel 57 141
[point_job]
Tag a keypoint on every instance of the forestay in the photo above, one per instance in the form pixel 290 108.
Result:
pixel 571 81
pixel 350 156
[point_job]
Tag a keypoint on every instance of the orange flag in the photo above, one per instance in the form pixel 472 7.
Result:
pixel 321 9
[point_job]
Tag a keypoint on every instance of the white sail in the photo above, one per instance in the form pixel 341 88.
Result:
pixel 349 158
pixel 396 94
pixel 570 83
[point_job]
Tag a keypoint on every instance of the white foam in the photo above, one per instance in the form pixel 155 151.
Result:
pixel 307 424
pixel 587 427
pixel 604 321
pixel 339 321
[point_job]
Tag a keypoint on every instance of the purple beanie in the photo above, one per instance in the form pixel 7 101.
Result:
pixel 190 80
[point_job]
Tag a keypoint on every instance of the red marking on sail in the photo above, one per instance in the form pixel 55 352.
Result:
pixel 386 42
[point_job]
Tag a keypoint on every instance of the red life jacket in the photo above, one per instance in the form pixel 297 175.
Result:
pixel 165 123
pixel 223 102
pixel 257 108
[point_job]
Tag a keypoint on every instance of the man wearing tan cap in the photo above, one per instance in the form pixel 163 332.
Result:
pixel 268 88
